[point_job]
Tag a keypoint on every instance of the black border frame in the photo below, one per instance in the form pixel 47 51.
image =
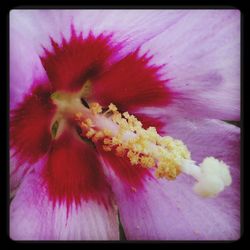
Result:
pixel 4 74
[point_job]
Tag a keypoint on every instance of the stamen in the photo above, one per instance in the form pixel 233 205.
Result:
pixel 133 157
pixel 95 108
pixel 147 161
pixel 112 107
pixel 89 122
pixel 90 133
pixel 146 148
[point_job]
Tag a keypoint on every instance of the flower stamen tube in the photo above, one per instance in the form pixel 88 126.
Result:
pixel 124 135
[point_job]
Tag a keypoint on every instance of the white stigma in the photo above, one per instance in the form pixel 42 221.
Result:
pixel 212 176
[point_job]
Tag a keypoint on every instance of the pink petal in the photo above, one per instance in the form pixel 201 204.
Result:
pixel 131 83
pixel 17 173
pixel 25 64
pixel 202 55
pixel 170 210
pixel 208 137
pixel 131 176
pixel 70 64
pixel 30 134
pixel 133 26
pixel 73 173
pixel 30 31
pixel 33 217
pixel 213 138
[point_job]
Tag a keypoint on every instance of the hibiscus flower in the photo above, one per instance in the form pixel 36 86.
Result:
pixel 121 115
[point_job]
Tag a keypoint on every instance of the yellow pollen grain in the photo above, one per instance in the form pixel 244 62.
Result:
pixel 84 125
pixel 90 133
pixel 107 132
pixel 126 115
pixel 107 141
pixel 79 115
pixel 147 161
pixel 132 119
pixel 166 141
pixel 116 140
pixel 133 157
pixel 89 122
pixel 167 168
pixel 112 107
pixel 99 135
pixel 123 123
pixel 117 117
pixel 152 134
pixel 95 108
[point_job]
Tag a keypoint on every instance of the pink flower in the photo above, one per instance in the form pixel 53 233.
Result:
pixel 176 71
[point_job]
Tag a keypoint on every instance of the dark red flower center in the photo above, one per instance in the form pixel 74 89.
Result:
pixel 89 70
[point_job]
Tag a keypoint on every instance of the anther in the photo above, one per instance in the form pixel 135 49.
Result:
pixel 146 148
pixel 95 108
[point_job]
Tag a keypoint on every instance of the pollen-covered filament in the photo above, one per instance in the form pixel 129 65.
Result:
pixel 124 135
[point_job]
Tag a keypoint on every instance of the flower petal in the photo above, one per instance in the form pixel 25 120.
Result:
pixel 17 174
pixel 73 172
pixel 131 83
pixel 72 63
pixel 33 29
pixel 170 210
pixel 34 217
pixel 131 176
pixel 30 134
pixel 132 26
pixel 202 53
pixel 208 137
pixel 25 64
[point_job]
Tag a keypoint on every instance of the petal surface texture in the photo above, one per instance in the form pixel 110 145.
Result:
pixel 34 217
pixel 170 210
pixel 33 30
pixel 202 63
pixel 74 174
pixel 30 134
pixel 70 64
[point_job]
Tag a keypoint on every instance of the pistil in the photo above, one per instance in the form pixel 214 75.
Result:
pixel 124 135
